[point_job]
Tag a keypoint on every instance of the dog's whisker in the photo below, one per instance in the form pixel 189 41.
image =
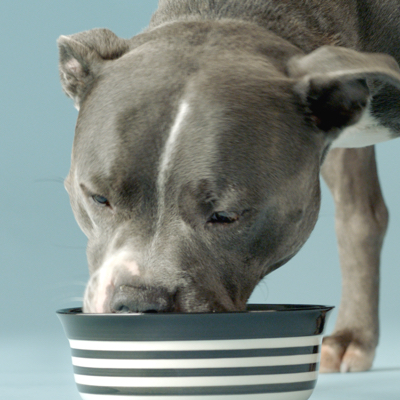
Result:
pixel 263 287
pixel 71 284
pixel 67 299
pixel 76 299
pixel 53 180
pixel 63 246
pixel 68 284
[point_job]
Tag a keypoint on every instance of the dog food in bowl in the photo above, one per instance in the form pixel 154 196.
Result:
pixel 269 352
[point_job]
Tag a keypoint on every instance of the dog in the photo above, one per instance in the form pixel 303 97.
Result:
pixel 199 144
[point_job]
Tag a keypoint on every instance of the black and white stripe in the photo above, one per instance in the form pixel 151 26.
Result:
pixel 200 393
pixel 268 368
pixel 252 367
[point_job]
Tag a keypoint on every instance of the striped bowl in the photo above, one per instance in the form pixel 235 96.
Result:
pixel 269 352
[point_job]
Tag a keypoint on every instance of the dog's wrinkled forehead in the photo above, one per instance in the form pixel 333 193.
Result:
pixel 141 111
pixel 161 113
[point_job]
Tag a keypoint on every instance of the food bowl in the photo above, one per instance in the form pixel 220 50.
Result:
pixel 269 352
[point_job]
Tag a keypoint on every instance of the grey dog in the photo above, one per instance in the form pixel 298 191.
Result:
pixel 199 145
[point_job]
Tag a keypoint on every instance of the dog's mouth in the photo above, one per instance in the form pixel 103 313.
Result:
pixel 126 299
pixel 145 299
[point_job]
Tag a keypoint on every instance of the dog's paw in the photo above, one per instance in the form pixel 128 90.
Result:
pixel 342 353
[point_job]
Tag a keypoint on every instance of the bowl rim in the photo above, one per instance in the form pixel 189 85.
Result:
pixel 251 308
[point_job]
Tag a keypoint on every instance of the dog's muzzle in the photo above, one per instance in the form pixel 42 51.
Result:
pixel 141 299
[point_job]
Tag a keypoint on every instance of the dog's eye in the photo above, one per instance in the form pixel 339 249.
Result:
pixel 101 200
pixel 224 217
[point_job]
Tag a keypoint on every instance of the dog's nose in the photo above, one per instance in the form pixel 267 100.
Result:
pixel 133 299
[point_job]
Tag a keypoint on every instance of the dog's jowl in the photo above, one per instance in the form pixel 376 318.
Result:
pixel 199 145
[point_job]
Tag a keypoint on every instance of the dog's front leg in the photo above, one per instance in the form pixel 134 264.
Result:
pixel 361 220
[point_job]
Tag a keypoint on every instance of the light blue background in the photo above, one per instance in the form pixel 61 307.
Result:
pixel 42 250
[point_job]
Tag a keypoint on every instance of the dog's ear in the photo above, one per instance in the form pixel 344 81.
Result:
pixel 81 57
pixel 336 84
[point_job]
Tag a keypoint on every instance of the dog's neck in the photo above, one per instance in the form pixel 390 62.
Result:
pixel 297 22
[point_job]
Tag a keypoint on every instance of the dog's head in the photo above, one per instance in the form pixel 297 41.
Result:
pixel 196 158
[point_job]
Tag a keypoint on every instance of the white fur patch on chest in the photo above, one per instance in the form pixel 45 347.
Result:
pixel 366 132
